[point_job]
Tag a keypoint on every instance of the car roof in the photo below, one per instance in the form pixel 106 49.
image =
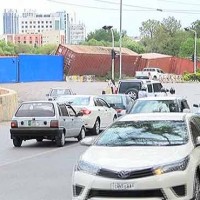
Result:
pixel 156 116
pixel 60 88
pixel 161 98
pixel 43 101
pixel 140 80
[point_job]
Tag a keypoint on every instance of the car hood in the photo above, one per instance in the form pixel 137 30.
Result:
pixel 134 157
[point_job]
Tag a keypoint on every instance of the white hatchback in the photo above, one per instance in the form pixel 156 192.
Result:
pixel 147 156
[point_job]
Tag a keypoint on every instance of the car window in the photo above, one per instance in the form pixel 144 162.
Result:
pixel 63 110
pixel 195 131
pixel 157 87
pixel 36 109
pixel 149 87
pixel 149 106
pixel 114 99
pixel 58 92
pixel 144 133
pixel 98 102
pixel 70 111
pixel 79 101
pixel 103 103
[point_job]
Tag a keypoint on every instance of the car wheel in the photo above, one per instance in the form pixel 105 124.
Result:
pixel 81 134
pixel 60 141
pixel 196 188
pixel 39 139
pixel 96 128
pixel 133 93
pixel 17 142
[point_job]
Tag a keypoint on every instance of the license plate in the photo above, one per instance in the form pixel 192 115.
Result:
pixel 122 186
pixel 33 123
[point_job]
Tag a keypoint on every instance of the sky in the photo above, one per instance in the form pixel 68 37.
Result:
pixel 97 13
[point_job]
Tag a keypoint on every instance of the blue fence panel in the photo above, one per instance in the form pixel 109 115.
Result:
pixel 8 69
pixel 40 68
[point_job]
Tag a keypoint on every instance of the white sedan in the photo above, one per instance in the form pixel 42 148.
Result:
pixel 142 156
pixel 97 114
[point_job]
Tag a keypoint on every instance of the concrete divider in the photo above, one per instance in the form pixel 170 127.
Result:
pixel 8 104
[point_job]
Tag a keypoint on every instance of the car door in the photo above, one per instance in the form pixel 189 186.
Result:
pixel 76 121
pixel 66 120
pixel 108 112
pixel 101 112
pixel 150 90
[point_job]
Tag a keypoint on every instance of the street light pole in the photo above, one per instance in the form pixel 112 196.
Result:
pixel 112 51
pixel 195 48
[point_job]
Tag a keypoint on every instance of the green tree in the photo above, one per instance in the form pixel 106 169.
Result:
pixel 104 35
pixel 46 49
pixel 196 26
pixel 149 28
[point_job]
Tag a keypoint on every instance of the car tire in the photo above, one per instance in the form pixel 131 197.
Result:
pixel 133 93
pixel 81 134
pixel 196 188
pixel 17 142
pixel 60 141
pixel 96 128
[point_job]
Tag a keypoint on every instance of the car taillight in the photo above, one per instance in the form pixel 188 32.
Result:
pixel 14 124
pixel 85 111
pixel 54 124
pixel 121 111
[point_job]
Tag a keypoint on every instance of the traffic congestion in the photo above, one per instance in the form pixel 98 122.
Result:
pixel 131 140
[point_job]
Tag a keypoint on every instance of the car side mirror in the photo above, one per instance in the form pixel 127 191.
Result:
pixel 197 141
pixel 88 141
pixel 47 95
pixel 172 91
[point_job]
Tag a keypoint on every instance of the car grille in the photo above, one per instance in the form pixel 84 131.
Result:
pixel 156 193
pixel 125 174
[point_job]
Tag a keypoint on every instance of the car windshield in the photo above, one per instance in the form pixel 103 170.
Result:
pixel 149 106
pixel 58 92
pixel 144 133
pixel 117 100
pixel 124 86
pixel 36 110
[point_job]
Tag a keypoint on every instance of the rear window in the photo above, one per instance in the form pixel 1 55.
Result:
pixel 58 92
pixel 36 110
pixel 124 86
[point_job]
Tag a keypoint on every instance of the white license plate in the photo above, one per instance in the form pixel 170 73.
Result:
pixel 122 186
pixel 33 123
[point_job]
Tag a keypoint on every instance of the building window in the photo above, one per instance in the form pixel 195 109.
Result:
pixel 38 22
pixel 26 22
pixel 39 26
pixel 30 22
pixel 46 22
pixel 47 26
pixel 42 22
pixel 22 26
pixel 22 22
pixel 30 26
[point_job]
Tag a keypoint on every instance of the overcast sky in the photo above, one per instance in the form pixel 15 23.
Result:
pixel 97 13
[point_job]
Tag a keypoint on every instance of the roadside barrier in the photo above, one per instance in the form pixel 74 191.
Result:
pixel 171 78
pixel 84 78
pixel 8 104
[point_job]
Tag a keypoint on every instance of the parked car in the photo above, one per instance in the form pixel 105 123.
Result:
pixel 46 120
pixel 133 86
pixel 160 104
pixel 97 114
pixel 142 156
pixel 120 102
pixel 56 92
pixel 150 72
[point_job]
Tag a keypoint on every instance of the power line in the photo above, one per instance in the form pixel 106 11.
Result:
pixel 180 2
pixel 130 10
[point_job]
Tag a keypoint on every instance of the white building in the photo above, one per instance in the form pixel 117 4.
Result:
pixel 53 37
pixel 77 33
pixel 30 22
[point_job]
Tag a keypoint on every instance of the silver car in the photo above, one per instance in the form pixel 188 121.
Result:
pixel 46 120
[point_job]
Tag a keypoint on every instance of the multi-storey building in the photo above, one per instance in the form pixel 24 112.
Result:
pixel 31 39
pixel 53 37
pixel 77 33
pixel 31 22
pixel 10 21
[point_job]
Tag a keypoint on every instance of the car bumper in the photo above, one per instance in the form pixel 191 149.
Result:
pixel 29 133
pixel 171 186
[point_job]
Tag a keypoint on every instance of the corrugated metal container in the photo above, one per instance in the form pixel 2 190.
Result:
pixel 86 60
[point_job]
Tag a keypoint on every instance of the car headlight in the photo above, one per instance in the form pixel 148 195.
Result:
pixel 87 167
pixel 180 165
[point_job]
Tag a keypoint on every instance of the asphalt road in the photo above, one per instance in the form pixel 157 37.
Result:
pixel 41 171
